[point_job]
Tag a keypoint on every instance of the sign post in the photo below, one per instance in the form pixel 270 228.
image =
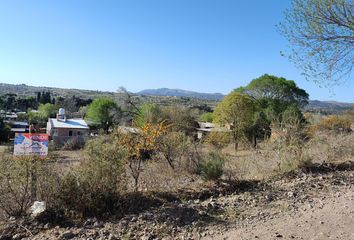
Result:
pixel 26 144
pixel 31 144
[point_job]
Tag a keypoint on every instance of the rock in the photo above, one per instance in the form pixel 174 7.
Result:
pixel 37 208
pixel 68 235
pixel 90 222
pixel 18 236
pixel 98 224
pixel 47 226
pixel 290 194
pixel 278 235
pixel 112 237
pixel 269 197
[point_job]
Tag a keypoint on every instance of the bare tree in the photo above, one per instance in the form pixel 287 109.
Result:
pixel 321 34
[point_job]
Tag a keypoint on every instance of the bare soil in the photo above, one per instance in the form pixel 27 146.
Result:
pixel 316 203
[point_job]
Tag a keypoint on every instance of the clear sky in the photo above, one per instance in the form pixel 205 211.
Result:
pixel 200 45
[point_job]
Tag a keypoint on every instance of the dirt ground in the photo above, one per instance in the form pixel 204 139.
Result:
pixel 330 217
pixel 314 205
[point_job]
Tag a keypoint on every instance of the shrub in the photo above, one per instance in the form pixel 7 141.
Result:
pixel 207 117
pixel 218 140
pixel 336 123
pixel 211 166
pixel 94 187
pixel 72 144
pixel 174 146
pixel 24 180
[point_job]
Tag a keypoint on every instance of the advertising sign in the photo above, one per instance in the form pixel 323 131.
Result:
pixel 31 144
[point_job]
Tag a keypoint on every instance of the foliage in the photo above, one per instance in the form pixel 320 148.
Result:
pixel 260 128
pixel 321 33
pixel 140 146
pixel 4 131
pixel 148 113
pixel 275 94
pixel 211 166
pixel 93 188
pixel 104 113
pixel 335 122
pixel 44 97
pixel 181 120
pixel 218 140
pixel 207 117
pixel 47 110
pixel 72 103
pixel 72 144
pixel 8 101
pixel 44 112
pixel 24 180
pixel 173 146
pixel 291 127
pixel 238 110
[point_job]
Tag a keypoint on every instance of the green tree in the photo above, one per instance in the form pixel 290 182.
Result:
pixel 260 128
pixel 103 113
pixel 275 94
pixel 321 34
pixel 148 113
pixel 238 110
pixel 207 117
pixel 4 131
pixel 47 110
pixel 44 112
pixel 181 120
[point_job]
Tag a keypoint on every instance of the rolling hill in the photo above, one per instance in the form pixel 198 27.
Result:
pixel 181 93
pixel 160 95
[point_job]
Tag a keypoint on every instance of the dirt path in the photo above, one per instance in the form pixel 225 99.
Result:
pixel 329 217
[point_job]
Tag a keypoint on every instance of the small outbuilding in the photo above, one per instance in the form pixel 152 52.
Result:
pixel 206 127
pixel 61 130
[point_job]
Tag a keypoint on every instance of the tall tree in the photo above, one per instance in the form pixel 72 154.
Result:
pixel 238 110
pixel 103 113
pixel 321 33
pixel 275 94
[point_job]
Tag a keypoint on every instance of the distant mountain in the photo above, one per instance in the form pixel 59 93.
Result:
pixel 181 93
pixel 328 105
pixel 161 95
pixel 26 90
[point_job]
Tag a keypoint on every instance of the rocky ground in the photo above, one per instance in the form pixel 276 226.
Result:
pixel 313 204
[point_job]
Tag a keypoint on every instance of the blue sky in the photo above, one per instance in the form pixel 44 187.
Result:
pixel 200 45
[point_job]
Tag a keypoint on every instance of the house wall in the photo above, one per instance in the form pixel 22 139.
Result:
pixel 64 132
pixel 61 135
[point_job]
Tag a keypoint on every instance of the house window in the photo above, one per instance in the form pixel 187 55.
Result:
pixel 70 133
pixel 78 133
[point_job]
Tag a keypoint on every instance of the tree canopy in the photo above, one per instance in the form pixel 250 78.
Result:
pixel 238 110
pixel 321 34
pixel 148 113
pixel 275 94
pixel 103 113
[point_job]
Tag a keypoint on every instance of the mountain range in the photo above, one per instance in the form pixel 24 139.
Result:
pixel 181 93
pixel 313 104
pixel 25 90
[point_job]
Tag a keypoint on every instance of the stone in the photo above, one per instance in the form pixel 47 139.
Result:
pixel 37 208
pixel 68 235
pixel 18 236
pixel 290 194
